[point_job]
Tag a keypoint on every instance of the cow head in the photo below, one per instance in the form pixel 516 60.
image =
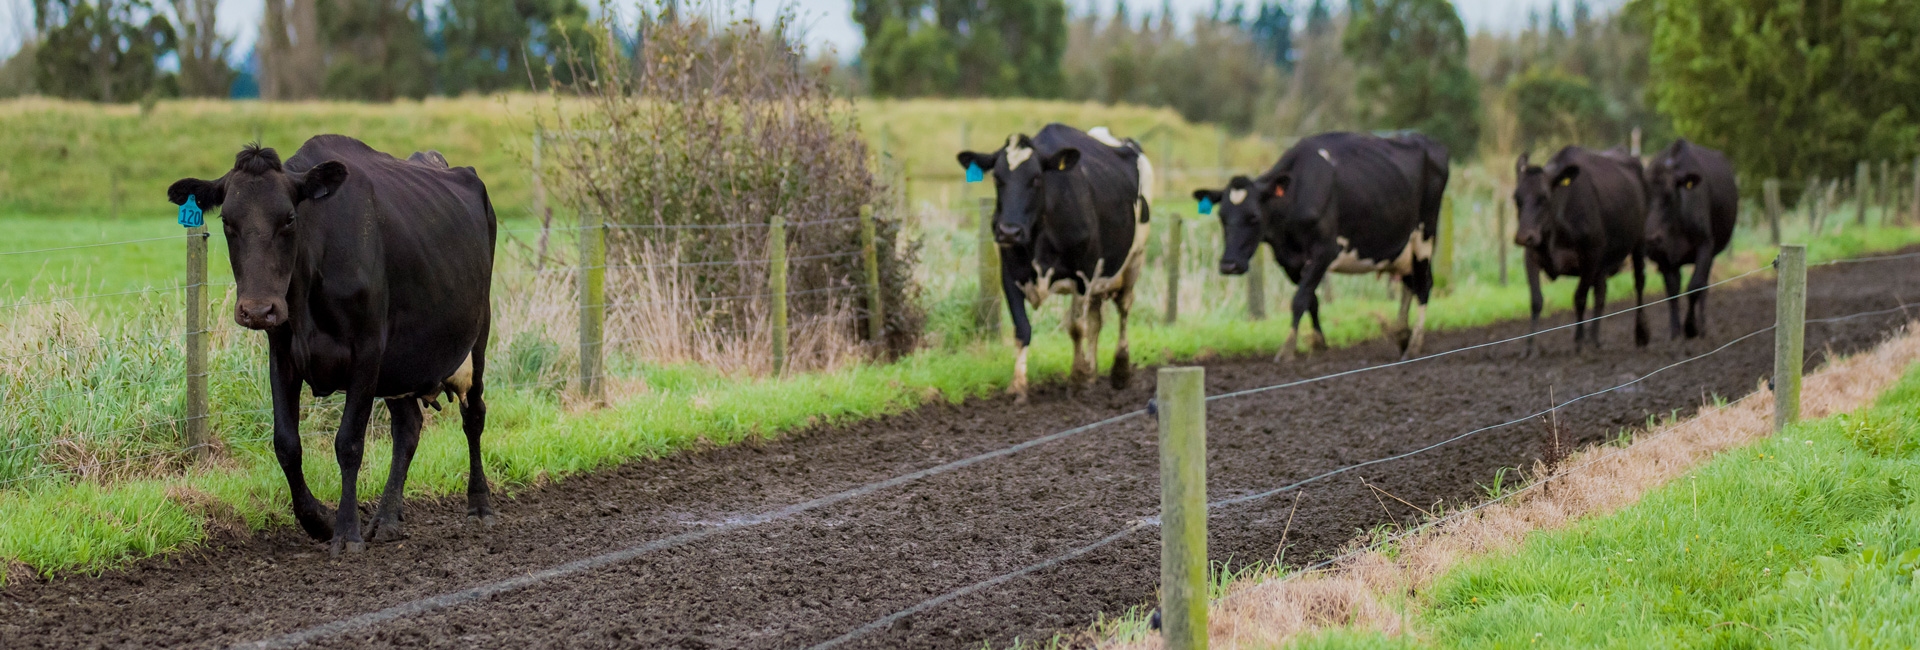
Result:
pixel 1020 181
pixel 1537 198
pixel 1676 203
pixel 259 207
pixel 1243 222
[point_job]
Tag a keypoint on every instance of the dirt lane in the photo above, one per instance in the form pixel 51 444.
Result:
pixel 810 577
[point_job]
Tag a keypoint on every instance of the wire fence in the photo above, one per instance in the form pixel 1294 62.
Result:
pixel 105 381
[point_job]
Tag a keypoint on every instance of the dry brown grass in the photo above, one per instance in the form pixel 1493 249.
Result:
pixel 1367 588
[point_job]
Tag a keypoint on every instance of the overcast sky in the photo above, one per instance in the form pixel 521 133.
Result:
pixel 828 23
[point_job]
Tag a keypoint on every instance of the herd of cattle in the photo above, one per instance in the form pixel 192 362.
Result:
pixel 1071 217
pixel 371 275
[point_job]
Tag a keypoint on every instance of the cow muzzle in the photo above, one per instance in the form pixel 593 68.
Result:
pixel 1230 267
pixel 1009 235
pixel 254 313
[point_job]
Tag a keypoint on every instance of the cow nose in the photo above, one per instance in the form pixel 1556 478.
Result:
pixel 1229 267
pixel 1526 239
pixel 256 314
pixel 1006 234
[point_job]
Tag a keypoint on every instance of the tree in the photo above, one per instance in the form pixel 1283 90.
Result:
pixel 376 49
pixel 105 51
pixel 292 59
pixel 1413 73
pixel 990 48
pixel 1553 106
pixel 203 53
pixel 1789 89
pixel 487 45
pixel 1273 31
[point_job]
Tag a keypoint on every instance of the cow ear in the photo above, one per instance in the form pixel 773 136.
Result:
pixel 1065 160
pixel 984 161
pixel 324 179
pixel 1204 194
pixel 1520 166
pixel 1566 176
pixel 206 194
pixel 1689 180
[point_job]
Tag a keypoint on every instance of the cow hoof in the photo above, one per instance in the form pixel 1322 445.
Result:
pixel 485 521
pixel 1019 399
pixel 350 547
pixel 388 532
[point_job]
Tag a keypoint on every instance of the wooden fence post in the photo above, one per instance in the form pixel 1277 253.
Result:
pixel 986 303
pixel 1175 226
pixel 197 424
pixel 777 289
pixel 1862 191
pixel 1789 332
pixel 1500 232
pixel 1884 191
pixel 1914 215
pixel 870 254
pixel 1256 286
pixel 1443 253
pixel 1181 399
pixel 1771 192
pixel 540 204
pixel 1635 146
pixel 593 303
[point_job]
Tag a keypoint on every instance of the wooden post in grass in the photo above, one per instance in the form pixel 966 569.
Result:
pixel 593 303
pixel 197 424
pixel 1256 286
pixel 1771 192
pixel 870 255
pixel 1500 232
pixel 1862 191
pixel 986 306
pixel 777 289
pixel 1175 226
pixel 1883 193
pixel 1180 395
pixel 1443 249
pixel 1789 332
pixel 1914 214
pixel 540 205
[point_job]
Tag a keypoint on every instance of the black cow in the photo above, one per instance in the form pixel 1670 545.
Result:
pixel 1070 217
pixel 369 275
pixel 1693 206
pixel 1341 203
pixel 1583 215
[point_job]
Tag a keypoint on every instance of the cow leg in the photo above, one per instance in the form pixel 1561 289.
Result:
pixel 406 416
pixel 1599 287
pixel 286 444
pixel 1580 312
pixel 1533 288
pixel 1022 336
pixel 1671 274
pixel 1121 375
pixel 1304 301
pixel 1421 286
pixel 1317 339
pixel 1697 301
pixel 1403 331
pixel 349 446
pixel 1077 329
pixel 1640 335
pixel 473 421
pixel 1095 321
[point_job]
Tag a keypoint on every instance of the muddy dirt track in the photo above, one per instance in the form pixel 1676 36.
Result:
pixel 809 576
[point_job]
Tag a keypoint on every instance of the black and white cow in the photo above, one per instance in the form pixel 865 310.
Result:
pixel 1583 215
pixel 1070 217
pixel 1693 206
pixel 1341 203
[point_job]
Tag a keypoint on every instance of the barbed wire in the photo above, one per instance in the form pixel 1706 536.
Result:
pixel 98 245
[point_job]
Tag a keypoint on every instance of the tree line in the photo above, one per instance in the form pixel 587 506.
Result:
pixel 113 50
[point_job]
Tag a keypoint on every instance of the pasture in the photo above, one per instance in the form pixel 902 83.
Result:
pixel 93 479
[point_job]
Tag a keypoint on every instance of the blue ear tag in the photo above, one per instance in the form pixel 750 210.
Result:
pixel 973 173
pixel 190 214
pixel 1206 205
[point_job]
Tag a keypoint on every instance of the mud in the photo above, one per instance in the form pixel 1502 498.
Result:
pixel 804 579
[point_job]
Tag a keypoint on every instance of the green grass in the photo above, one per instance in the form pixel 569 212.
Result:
pixel 1809 539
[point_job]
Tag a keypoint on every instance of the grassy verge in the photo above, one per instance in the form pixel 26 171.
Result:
pixel 1807 539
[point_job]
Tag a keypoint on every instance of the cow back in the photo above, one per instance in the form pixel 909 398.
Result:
pixel 1099 204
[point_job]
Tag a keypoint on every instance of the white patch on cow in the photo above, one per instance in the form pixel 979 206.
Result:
pixel 1019 386
pixel 1105 137
pixel 1146 182
pixel 1016 154
pixel 1328 156
pixel 1237 196
pixel 1349 261
pixel 462 380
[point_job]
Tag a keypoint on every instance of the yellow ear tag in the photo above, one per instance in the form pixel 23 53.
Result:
pixel 1689 184
pixel 1279 191
pixel 1565 182
pixel 1063 164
